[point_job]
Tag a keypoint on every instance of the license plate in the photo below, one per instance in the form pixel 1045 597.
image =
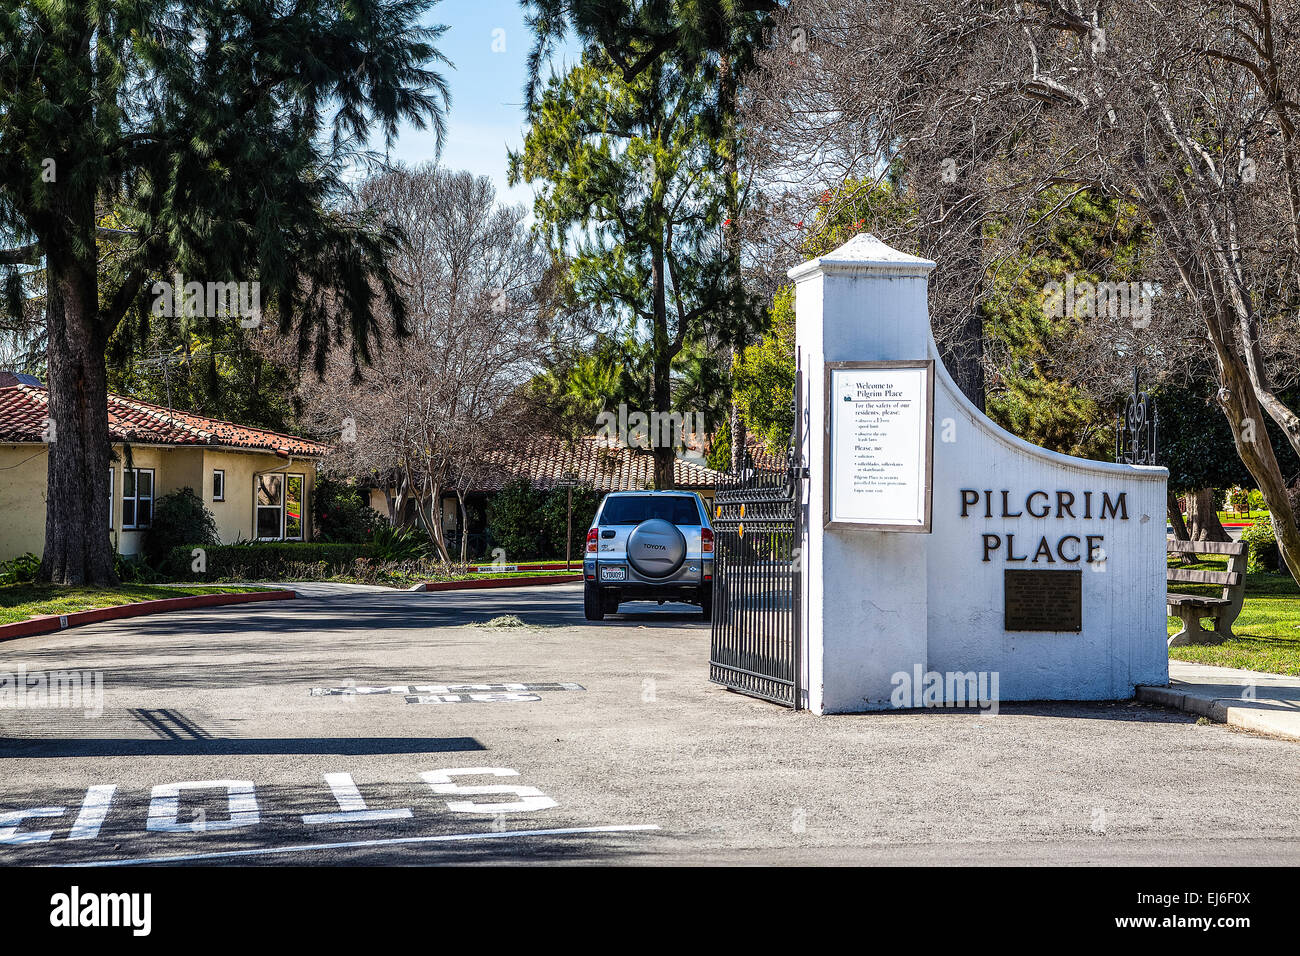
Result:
pixel 613 574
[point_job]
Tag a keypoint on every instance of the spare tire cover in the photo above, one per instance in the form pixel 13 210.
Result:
pixel 656 548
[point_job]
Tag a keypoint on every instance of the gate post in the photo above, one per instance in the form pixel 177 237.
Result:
pixel 864 593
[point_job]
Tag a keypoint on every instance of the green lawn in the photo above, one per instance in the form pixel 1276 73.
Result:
pixel 18 602
pixel 1268 630
pixel 1225 516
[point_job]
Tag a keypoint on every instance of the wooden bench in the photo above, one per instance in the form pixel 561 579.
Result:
pixel 1190 608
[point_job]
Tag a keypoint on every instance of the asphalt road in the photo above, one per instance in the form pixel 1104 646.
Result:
pixel 646 763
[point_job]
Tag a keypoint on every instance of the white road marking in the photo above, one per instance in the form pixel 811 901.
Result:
pixel 472 698
pixel 11 821
pixel 351 804
pixel 532 799
pixel 164 807
pixel 442 689
pixel 355 844
pixel 93 810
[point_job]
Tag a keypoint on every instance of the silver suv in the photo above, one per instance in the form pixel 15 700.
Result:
pixel 648 545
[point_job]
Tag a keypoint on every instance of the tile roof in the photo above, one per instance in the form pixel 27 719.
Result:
pixel 544 460
pixel 23 410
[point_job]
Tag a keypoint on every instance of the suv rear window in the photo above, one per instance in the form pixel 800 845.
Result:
pixel 633 509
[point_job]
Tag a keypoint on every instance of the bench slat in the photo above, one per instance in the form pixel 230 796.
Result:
pixel 1173 599
pixel 1227 579
pixel 1174 546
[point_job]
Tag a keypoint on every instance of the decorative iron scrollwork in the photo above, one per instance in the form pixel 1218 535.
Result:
pixel 1137 429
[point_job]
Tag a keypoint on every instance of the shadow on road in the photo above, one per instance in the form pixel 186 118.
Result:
pixel 233 746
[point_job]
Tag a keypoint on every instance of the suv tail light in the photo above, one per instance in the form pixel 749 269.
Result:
pixel 592 535
pixel 706 540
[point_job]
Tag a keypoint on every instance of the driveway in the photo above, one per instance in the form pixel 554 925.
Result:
pixel 338 728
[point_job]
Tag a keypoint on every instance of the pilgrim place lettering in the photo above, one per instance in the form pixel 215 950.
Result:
pixel 1050 548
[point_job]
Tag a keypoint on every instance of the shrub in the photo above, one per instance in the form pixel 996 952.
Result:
pixel 719 454
pixel 20 570
pixel 514 517
pixel 132 569
pixel 1239 498
pixel 342 514
pixel 179 517
pixel 1261 546
pixel 529 523
pixel 555 520
pixel 398 544
pixel 1256 500
pixel 266 561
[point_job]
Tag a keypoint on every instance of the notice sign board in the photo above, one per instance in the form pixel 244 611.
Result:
pixel 879 445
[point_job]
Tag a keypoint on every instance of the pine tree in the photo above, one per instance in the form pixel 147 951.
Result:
pixel 631 190
pixel 715 40
pixel 211 137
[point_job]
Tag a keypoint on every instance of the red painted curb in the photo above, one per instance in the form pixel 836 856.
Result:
pixel 500 582
pixel 58 622
pixel 488 568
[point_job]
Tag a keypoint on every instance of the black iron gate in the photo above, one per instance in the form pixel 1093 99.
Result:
pixel 756 577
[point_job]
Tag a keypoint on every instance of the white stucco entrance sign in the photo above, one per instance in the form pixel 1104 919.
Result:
pixel 1042 574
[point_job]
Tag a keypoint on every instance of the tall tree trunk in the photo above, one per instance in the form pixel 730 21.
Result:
pixel 435 523
pixel 664 454
pixel 1176 517
pixel 432 521
pixel 464 526
pixel 1245 417
pixel 406 494
pixel 730 147
pixel 736 426
pixel 77 545
pixel 1203 516
pixel 1179 525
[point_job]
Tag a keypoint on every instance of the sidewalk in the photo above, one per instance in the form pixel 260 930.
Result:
pixel 1265 703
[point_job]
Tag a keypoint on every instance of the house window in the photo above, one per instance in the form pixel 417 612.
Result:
pixel 110 497
pixel 280 506
pixel 269 491
pixel 137 498
pixel 218 485
pixel 293 519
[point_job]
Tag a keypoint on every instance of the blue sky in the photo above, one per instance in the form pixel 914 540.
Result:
pixel 487 115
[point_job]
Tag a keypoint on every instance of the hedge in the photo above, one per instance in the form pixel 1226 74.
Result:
pixel 268 561
pixel 529 523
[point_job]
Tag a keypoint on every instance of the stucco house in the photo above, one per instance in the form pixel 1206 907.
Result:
pixel 258 484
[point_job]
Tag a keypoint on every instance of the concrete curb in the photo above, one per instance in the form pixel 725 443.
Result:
pixel 1274 723
pixel 47 623
pixel 498 583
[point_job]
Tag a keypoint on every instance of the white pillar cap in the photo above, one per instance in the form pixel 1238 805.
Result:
pixel 864 253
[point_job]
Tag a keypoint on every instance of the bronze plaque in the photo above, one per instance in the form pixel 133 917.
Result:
pixel 1043 600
